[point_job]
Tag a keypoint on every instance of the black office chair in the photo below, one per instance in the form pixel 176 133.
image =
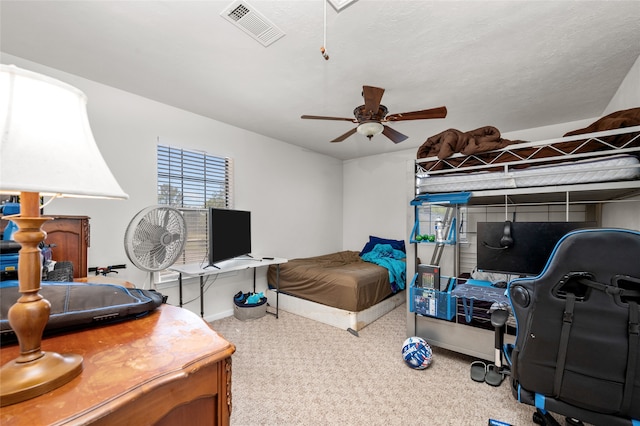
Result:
pixel 577 347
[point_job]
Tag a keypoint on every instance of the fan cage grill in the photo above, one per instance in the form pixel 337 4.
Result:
pixel 156 238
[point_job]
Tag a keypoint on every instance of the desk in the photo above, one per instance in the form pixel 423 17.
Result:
pixel 485 292
pixel 237 264
pixel 166 368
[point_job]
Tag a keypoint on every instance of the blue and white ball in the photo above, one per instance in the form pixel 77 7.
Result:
pixel 417 353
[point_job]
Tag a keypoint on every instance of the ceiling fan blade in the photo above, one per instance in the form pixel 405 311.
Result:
pixel 372 98
pixel 440 112
pixel 394 135
pixel 320 117
pixel 346 135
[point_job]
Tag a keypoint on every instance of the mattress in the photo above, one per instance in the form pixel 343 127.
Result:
pixel 341 280
pixel 613 168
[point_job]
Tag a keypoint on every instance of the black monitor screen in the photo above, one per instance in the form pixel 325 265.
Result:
pixel 532 244
pixel 229 234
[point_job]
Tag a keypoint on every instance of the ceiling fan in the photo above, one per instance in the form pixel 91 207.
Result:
pixel 372 114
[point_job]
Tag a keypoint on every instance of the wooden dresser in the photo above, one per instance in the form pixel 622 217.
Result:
pixel 70 235
pixel 168 368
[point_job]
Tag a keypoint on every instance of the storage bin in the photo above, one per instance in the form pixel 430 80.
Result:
pixel 433 303
pixel 244 311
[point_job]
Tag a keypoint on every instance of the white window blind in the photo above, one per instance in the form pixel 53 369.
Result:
pixel 193 181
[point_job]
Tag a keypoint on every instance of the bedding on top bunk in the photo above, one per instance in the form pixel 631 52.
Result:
pixel 476 143
pixel 342 280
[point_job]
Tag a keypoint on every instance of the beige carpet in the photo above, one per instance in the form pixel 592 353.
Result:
pixel 295 371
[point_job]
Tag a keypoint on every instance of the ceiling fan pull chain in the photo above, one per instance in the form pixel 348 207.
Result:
pixel 323 50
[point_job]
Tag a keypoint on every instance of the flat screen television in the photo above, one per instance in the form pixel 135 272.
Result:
pixel 531 245
pixel 229 234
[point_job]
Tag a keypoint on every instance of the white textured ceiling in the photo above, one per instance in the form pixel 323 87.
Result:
pixel 511 64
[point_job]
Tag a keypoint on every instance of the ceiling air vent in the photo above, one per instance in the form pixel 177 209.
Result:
pixel 245 17
pixel 341 4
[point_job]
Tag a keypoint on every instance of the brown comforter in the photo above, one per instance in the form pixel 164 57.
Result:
pixel 451 141
pixel 477 142
pixel 342 280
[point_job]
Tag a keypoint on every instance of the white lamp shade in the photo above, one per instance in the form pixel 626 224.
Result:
pixel 370 128
pixel 47 145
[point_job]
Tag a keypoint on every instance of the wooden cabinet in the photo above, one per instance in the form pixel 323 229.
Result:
pixel 168 368
pixel 70 235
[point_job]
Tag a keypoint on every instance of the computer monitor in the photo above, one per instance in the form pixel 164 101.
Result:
pixel 229 234
pixel 529 249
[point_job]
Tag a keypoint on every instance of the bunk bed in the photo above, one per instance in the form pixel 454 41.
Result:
pixel 610 157
pixel 584 166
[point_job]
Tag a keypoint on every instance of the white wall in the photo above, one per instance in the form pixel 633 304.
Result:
pixel 375 199
pixel 295 196
pixel 628 94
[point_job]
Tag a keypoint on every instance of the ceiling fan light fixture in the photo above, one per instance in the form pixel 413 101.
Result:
pixel 370 129
pixel 372 114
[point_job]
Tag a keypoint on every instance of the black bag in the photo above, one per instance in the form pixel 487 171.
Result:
pixel 75 305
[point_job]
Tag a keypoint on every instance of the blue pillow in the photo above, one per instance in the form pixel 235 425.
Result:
pixel 396 244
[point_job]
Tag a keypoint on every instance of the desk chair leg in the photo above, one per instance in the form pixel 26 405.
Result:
pixel 544 418
pixel 495 373
pixel 498 321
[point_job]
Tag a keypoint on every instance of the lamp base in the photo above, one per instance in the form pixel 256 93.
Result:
pixel 25 380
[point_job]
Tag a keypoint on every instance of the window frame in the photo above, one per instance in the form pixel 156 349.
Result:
pixel 192 181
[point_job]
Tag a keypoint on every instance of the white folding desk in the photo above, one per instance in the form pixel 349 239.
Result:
pixel 202 270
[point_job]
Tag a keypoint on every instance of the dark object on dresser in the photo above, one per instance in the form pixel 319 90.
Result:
pixel 75 305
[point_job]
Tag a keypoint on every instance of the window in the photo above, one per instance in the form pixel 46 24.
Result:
pixel 193 181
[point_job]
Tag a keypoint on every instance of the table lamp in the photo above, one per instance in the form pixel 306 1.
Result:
pixel 47 149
